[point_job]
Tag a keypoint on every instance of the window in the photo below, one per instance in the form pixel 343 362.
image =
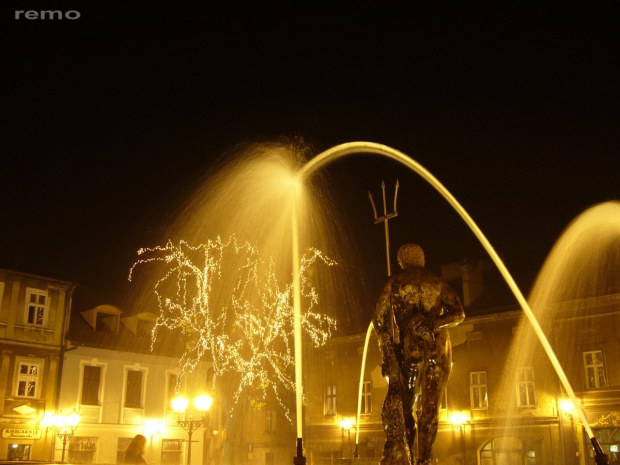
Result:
pixel 121 447
pixel 171 451
pixel 133 392
pixel 330 400
pixel 171 389
pixel 28 377
pixel 18 452
pixel 367 397
pixel 91 381
pixel 503 450
pixel 530 457
pixel 270 421
pixel 595 369
pixel 36 306
pixel 106 322
pixel 82 449
pixel 478 390
pixel 144 328
pixel 526 390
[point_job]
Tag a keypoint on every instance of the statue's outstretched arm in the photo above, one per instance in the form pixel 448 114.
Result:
pixel 453 312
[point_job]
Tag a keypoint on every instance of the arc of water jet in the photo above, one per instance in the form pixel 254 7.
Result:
pixel 361 387
pixel 342 150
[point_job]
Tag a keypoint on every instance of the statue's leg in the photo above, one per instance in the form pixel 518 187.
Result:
pixel 396 450
pixel 435 378
pixel 428 420
pixel 409 388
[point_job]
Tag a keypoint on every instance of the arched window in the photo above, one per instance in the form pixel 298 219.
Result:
pixel 506 450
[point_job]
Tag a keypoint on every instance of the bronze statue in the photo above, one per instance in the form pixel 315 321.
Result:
pixel 411 319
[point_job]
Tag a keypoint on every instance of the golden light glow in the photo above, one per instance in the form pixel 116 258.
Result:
pixel 567 406
pixel 60 420
pixel 179 404
pixel 152 427
pixel 347 423
pixel 73 419
pixel 229 302
pixel 48 420
pixel 459 418
pixel 203 403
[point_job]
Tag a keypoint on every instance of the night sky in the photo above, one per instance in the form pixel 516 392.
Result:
pixel 112 119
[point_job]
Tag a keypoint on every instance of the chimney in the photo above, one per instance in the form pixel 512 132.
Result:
pixel 466 278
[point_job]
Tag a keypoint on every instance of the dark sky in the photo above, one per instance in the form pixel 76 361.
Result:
pixel 111 119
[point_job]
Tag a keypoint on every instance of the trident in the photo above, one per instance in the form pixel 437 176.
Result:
pixel 384 219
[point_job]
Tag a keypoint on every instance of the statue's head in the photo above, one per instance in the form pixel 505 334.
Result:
pixel 410 255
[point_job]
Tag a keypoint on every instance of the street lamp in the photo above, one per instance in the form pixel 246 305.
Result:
pixel 64 425
pixel 202 404
pixel 567 406
pixel 459 419
pixel 347 424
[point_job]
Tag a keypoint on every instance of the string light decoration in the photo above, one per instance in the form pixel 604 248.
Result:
pixel 231 306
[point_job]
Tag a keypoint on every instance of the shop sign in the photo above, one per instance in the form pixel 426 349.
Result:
pixel 21 433
pixel 611 419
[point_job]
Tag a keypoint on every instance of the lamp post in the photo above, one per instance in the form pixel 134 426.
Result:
pixel 459 419
pixel 347 424
pixel 566 407
pixel 64 426
pixel 202 404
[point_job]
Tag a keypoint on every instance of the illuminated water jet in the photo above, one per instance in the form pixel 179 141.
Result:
pixel 343 150
pixel 580 270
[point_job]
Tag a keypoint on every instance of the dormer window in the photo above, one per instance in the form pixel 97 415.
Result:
pixel 104 319
pixel 141 324
pixel 144 328
pixel 106 323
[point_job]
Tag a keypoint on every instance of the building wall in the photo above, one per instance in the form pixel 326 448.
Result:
pixel 35 348
pixel 339 364
pixel 591 325
pixel 498 427
pixel 110 425
pixel 536 433
pixel 268 436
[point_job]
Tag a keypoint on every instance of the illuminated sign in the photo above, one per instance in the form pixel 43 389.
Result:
pixel 21 433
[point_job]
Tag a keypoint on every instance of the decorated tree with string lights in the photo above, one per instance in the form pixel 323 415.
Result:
pixel 235 313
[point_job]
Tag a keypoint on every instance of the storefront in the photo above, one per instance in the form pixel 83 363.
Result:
pixel 23 443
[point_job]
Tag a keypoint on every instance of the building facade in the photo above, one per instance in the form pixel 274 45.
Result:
pixel 121 388
pixel 586 335
pixel 498 408
pixel 34 315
